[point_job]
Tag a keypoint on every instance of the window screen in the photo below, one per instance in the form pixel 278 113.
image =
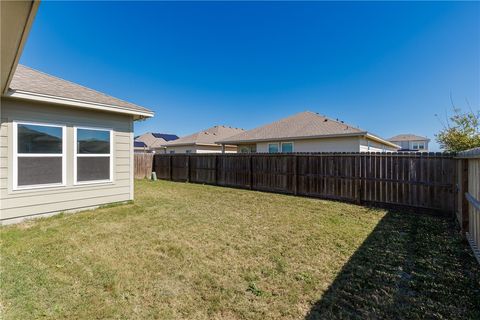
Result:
pixel 93 155
pixel 39 170
pixel 39 155
pixel 93 168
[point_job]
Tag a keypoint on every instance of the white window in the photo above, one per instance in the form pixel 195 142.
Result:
pixel 273 147
pixel 287 147
pixel 421 146
pixel 38 155
pixel 188 151
pixel 172 151
pixel 93 155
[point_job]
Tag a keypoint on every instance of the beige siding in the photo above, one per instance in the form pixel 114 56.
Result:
pixel 201 149
pixel 24 203
pixel 347 144
pixel 374 146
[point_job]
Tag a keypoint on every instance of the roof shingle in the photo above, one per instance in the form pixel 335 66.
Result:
pixel 208 136
pixel 301 125
pixel 31 80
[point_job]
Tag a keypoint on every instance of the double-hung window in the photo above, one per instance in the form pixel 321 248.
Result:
pixel 38 155
pixel 93 155
pixel 273 148
pixel 287 147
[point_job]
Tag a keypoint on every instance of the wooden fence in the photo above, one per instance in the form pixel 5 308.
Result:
pixel 468 197
pixel 422 181
pixel 143 165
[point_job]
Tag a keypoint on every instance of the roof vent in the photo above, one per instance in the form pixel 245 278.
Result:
pixel 325 120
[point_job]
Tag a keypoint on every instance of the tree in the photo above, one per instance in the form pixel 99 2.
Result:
pixel 461 131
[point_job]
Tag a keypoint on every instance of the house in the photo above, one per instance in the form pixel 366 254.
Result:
pixel 140 146
pixel 64 147
pixel 154 141
pixel 411 142
pixel 308 132
pixel 204 141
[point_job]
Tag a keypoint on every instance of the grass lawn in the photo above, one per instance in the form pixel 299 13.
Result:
pixel 186 251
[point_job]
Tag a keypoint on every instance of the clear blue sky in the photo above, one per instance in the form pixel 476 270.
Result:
pixel 385 67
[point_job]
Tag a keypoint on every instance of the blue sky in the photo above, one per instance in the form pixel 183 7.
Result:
pixel 385 67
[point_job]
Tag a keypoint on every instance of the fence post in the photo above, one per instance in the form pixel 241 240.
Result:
pixel 188 168
pixel 358 180
pixel 464 189
pixel 170 169
pixel 216 170
pixel 251 171
pixel 295 174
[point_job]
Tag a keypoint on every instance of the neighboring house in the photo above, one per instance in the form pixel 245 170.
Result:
pixel 139 146
pixel 64 147
pixel 411 142
pixel 308 132
pixel 154 141
pixel 204 141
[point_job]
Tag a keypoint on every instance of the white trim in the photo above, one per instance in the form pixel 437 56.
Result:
pixel 77 103
pixel 16 155
pixel 98 155
pixel 281 146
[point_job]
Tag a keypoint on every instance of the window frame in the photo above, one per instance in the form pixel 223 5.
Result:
pixel 287 142
pixel 76 155
pixel 17 155
pixel 272 143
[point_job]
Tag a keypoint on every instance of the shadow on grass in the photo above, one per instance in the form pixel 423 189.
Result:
pixel 410 267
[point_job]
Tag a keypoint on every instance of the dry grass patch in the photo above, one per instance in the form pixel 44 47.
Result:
pixel 185 251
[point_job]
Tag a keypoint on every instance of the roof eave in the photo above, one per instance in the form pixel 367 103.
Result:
pixel 378 139
pixel 352 134
pixel 26 95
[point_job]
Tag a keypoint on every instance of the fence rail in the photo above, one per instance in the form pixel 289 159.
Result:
pixel 423 181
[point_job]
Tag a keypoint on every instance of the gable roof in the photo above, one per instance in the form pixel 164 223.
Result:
pixel 303 125
pixel 165 136
pixel 32 84
pixel 407 137
pixel 206 137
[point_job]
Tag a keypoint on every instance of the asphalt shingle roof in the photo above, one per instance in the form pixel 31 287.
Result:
pixel 301 125
pixel 208 136
pixel 407 137
pixel 31 80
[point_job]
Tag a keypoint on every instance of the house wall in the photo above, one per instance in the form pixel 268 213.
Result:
pixel 367 145
pixel 25 203
pixel 409 144
pixel 201 149
pixel 346 144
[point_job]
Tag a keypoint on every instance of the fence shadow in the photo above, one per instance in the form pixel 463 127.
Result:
pixel 410 267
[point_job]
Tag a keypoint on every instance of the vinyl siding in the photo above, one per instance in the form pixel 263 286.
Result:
pixel 347 144
pixel 374 146
pixel 201 149
pixel 25 203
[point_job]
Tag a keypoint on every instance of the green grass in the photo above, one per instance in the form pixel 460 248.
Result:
pixel 186 251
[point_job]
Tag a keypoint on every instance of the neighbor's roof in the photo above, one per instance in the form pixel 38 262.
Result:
pixel 165 136
pixel 206 137
pixel 139 144
pixel 407 137
pixel 35 85
pixel 304 125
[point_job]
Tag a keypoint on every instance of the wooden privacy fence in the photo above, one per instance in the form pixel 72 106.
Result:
pixel 425 181
pixel 468 201
pixel 143 165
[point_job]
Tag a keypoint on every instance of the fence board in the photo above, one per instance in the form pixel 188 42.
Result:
pixel 416 180
pixel 143 163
